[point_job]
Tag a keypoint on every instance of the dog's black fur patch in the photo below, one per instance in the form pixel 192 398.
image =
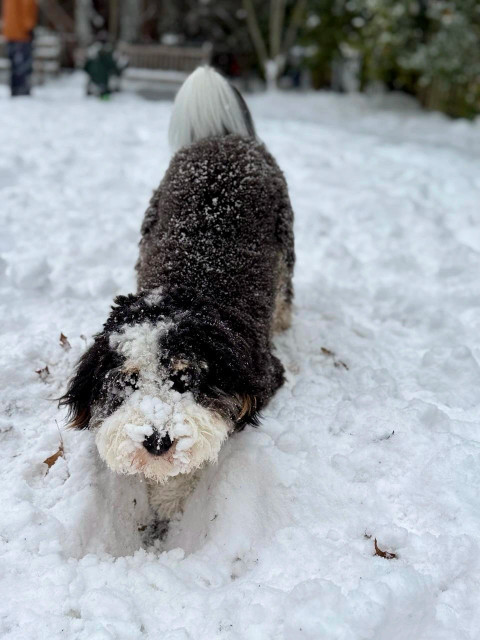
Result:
pixel 216 255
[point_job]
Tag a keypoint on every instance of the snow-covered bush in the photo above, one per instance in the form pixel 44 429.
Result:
pixel 448 62
pixel 329 25
pixel 429 48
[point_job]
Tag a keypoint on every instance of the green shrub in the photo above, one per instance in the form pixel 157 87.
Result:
pixel 429 48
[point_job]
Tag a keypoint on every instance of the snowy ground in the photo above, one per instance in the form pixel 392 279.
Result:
pixel 375 435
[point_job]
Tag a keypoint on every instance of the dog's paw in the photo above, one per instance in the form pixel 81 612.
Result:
pixel 154 533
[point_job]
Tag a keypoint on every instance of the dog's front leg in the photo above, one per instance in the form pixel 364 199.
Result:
pixel 168 499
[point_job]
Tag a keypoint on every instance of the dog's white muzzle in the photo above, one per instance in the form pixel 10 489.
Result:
pixel 196 435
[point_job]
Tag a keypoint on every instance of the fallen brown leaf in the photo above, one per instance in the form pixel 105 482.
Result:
pixel 331 354
pixel 383 554
pixel 64 342
pixel 327 352
pixel 50 461
pixel 43 373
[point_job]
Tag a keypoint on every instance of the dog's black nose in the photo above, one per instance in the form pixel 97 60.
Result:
pixel 156 445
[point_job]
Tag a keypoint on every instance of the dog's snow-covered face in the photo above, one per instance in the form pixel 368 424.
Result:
pixel 154 428
pixel 158 391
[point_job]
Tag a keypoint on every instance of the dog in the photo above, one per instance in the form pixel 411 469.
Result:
pixel 187 360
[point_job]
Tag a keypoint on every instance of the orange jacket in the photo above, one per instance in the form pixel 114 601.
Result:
pixel 19 18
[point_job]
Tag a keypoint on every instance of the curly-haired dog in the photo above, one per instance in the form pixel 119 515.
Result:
pixel 187 360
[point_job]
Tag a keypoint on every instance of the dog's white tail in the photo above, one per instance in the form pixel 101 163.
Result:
pixel 207 105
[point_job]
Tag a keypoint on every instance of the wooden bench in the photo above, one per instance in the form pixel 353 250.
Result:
pixel 160 69
pixel 46 59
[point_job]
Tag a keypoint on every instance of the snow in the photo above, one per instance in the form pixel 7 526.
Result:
pixel 374 435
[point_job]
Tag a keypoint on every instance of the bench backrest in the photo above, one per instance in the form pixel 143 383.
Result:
pixel 165 57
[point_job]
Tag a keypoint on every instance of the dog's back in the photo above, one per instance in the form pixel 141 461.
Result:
pixel 212 224
pixel 220 222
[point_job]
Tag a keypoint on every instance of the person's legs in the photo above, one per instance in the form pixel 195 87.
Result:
pixel 21 61
pixel 11 47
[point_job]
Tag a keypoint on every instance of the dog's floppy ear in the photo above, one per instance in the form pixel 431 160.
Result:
pixel 250 400
pixel 246 410
pixel 79 395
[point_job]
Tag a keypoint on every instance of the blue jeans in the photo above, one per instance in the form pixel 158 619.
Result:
pixel 21 60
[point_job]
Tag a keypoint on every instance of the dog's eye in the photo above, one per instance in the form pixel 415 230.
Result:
pixel 188 378
pixel 181 381
pixel 117 386
pixel 117 381
pixel 131 379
